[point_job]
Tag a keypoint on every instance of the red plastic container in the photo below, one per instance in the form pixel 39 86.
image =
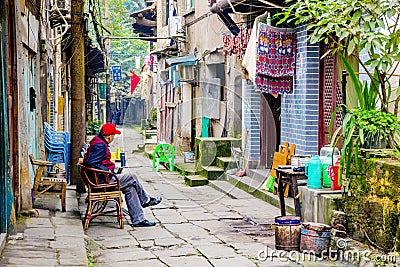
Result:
pixel 334 175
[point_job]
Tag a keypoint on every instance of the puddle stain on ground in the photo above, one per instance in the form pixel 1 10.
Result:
pixel 248 227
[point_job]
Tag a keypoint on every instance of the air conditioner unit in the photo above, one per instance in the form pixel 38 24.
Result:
pixel 187 74
pixel 175 26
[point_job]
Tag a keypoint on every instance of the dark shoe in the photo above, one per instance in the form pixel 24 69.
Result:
pixel 152 202
pixel 144 223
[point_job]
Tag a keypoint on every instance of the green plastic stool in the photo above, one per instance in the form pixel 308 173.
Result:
pixel 163 153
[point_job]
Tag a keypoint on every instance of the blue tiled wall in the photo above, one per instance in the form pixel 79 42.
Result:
pixel 251 119
pixel 299 117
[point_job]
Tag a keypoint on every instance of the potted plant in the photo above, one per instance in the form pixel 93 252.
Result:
pixel 363 128
pixel 366 125
pixel 152 120
pixel 92 129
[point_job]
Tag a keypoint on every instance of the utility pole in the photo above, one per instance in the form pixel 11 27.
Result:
pixel 108 78
pixel 78 119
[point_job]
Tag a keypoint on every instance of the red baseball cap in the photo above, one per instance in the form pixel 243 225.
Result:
pixel 109 129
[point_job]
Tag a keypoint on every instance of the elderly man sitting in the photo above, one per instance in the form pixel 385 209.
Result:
pixel 98 156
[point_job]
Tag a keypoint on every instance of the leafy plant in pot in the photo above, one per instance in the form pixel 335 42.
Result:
pixel 93 127
pixel 152 120
pixel 364 129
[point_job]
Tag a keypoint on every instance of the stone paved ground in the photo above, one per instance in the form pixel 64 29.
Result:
pixel 196 226
pixel 53 238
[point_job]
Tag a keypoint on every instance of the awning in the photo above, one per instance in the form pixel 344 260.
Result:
pixel 183 60
pixel 144 22
pixel 223 7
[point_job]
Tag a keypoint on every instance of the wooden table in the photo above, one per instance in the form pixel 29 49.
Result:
pixel 290 177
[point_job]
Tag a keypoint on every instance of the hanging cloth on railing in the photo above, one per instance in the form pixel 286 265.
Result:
pixel 275 59
pixel 205 126
pixel 250 55
pixel 236 44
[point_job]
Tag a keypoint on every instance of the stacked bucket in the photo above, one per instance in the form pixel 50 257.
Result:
pixel 292 235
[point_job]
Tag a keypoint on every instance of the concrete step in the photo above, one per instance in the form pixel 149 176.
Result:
pixel 226 163
pixel 255 188
pixel 258 174
pixel 212 172
pixel 150 133
pixel 195 180
pixel 186 168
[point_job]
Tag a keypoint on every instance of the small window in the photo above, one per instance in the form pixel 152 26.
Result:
pixel 189 4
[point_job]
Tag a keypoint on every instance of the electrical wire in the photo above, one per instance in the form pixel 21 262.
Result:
pixel 271 4
pixel 240 13
pixel 66 25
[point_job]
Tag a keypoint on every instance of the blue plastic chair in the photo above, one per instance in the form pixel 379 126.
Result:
pixel 58 147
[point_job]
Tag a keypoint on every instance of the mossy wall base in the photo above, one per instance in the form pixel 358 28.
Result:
pixel 372 203
pixel 207 149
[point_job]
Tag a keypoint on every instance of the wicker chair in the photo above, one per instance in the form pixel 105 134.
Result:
pixel 100 191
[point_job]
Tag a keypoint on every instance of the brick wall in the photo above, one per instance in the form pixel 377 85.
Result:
pixel 299 117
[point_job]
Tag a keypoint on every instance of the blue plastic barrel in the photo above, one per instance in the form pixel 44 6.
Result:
pixel 313 169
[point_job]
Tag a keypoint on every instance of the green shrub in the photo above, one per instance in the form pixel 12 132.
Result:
pixel 93 127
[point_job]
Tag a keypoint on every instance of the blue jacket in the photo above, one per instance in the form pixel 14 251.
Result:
pixel 98 154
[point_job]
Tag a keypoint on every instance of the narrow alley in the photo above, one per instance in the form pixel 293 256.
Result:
pixel 196 226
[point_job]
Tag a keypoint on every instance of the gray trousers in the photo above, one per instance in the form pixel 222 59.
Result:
pixel 135 196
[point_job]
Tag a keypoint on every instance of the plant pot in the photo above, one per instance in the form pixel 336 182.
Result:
pixel 375 142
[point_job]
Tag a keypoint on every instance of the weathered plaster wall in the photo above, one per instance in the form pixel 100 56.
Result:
pixel 372 204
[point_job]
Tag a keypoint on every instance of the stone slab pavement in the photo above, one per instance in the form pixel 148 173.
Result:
pixel 196 226
pixel 51 238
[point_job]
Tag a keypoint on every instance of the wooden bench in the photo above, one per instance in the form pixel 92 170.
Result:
pixel 47 185
pixel 101 190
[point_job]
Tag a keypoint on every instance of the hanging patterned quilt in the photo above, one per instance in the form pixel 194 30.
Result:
pixel 275 64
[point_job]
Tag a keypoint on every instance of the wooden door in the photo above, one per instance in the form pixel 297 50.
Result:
pixel 270 127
